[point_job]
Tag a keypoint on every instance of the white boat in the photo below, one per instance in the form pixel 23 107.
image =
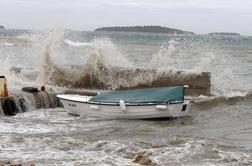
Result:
pixel 148 103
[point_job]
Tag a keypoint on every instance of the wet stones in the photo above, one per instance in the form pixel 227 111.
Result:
pixel 144 160
pixel 9 163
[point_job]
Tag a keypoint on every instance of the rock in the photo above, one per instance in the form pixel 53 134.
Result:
pixel 143 160
pixel 10 163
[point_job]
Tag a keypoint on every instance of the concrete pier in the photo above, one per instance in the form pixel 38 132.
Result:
pixel 35 100
pixel 18 101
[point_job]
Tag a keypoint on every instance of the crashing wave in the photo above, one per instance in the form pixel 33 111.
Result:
pixel 99 73
pixel 217 99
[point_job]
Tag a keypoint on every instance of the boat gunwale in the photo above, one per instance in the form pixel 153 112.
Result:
pixel 127 104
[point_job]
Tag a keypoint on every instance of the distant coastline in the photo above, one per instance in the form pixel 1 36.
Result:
pixel 147 29
pixel 225 33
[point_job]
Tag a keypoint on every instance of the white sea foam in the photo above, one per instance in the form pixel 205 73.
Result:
pixel 52 137
pixel 166 57
pixel 77 44
pixel 235 158
pixel 7 44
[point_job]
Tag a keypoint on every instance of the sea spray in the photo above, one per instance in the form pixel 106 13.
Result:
pixel 106 68
pixel 103 64
pixel 103 54
pixel 76 44
pixel 47 46
pixel 205 53
pixel 165 57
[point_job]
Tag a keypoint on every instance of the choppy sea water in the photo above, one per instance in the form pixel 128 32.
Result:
pixel 218 130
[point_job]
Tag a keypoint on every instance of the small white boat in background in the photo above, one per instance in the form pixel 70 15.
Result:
pixel 161 102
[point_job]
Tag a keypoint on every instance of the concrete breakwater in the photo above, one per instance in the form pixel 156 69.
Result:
pixel 117 78
pixel 35 99
pixel 121 78
pixel 199 84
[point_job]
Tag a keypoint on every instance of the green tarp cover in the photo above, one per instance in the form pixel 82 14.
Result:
pixel 173 94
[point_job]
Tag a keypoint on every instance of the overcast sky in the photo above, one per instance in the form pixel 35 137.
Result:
pixel 200 16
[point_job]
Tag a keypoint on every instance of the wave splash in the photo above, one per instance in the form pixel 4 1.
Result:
pixel 105 67
pixel 102 72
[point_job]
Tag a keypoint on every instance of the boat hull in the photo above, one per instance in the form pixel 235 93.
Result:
pixel 81 107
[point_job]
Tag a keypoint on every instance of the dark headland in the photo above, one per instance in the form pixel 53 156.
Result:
pixel 148 29
pixel 1 27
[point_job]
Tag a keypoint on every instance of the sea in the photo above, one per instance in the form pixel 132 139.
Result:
pixel 217 131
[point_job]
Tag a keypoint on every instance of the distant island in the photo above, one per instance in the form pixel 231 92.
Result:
pixel 1 27
pixel 148 29
pixel 224 33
